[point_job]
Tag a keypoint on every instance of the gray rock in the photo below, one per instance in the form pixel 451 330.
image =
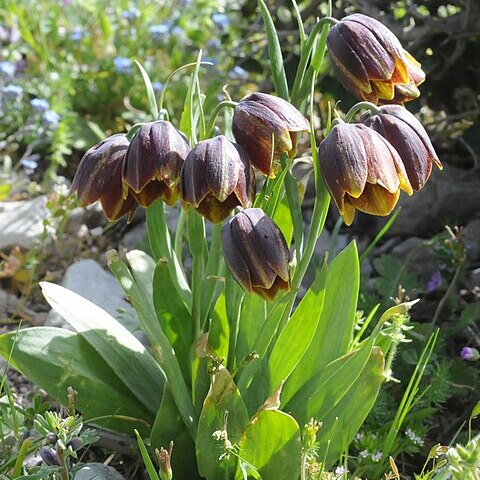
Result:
pixel 471 237
pixel 21 223
pixel 421 258
pixel 451 195
pixel 91 281
pixel 97 471
pixel 134 237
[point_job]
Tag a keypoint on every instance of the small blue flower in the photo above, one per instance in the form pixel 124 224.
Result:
pixel 51 119
pixel 221 20
pixel 77 34
pixel 131 14
pixel 214 44
pixel 7 69
pixel 238 72
pixel 434 282
pixel 158 86
pixel 122 64
pixel 30 163
pixel 40 104
pixel 12 92
pixel 159 31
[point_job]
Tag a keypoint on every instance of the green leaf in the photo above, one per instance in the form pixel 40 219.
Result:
pixel 271 443
pixel 475 410
pixel 283 220
pixel 219 332
pixel 162 349
pixel 262 343
pixel 142 267
pixel 223 407
pixel 343 422
pixel 295 338
pixel 173 315
pixel 320 395
pixel 252 320
pixel 275 53
pixel 335 326
pixel 55 358
pixel 168 426
pixel 151 470
pixel 161 245
pixel 152 101
pixel 123 352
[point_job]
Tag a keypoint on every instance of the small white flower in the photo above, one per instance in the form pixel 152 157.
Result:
pixel 340 471
pixel 364 453
pixel 377 456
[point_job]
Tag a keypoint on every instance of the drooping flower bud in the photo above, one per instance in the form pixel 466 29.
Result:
pixel 217 177
pixel 76 443
pixel 407 135
pixel 258 119
pixel 370 61
pixel 362 171
pixel 256 253
pixel 99 177
pixel 49 456
pixel 153 162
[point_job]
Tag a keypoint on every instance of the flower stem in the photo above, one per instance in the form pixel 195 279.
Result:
pixel 196 241
pixel 361 106
pixel 216 111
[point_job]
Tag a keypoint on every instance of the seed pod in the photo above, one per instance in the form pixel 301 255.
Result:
pixel 49 456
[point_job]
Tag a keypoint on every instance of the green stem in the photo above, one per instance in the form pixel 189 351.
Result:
pixel 216 111
pixel 63 464
pixel 213 269
pixel 169 78
pixel 178 242
pixel 361 106
pixel 293 199
pixel 234 326
pixel 196 243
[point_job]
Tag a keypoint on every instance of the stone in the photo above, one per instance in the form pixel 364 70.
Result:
pixel 87 278
pixel 97 471
pixel 21 223
pixel 471 236
pixel 451 195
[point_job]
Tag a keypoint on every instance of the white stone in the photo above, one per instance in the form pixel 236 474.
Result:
pixel 97 471
pixel 91 281
pixel 21 223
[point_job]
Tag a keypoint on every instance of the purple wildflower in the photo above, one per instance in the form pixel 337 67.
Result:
pixel 469 354
pixel 434 282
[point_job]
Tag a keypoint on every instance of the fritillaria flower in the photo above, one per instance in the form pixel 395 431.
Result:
pixel 99 177
pixel 153 162
pixel 371 63
pixel 260 118
pixel 407 135
pixel 362 171
pixel 256 253
pixel 217 177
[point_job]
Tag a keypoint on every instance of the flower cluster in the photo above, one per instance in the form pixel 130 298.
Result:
pixel 365 165
pixel 214 177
